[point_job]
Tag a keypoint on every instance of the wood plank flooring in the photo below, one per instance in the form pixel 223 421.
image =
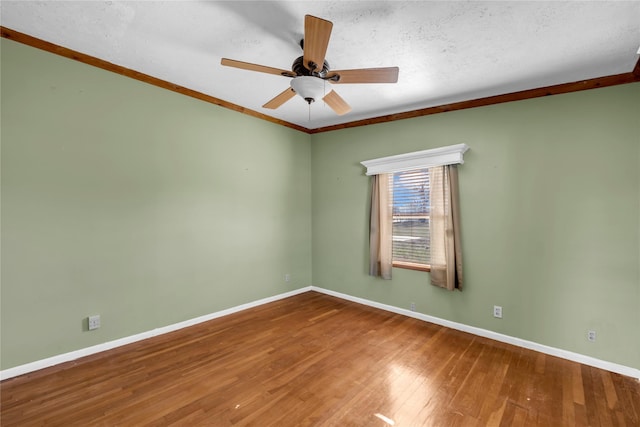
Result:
pixel 316 360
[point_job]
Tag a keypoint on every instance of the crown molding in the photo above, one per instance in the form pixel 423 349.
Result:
pixel 618 79
pixel 28 40
pixel 613 80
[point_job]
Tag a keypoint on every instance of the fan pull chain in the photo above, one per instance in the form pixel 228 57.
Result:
pixel 309 119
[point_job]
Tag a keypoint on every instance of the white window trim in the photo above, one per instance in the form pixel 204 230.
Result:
pixel 441 156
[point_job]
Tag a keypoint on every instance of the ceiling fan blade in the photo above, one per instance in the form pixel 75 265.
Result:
pixel 365 75
pixel 255 67
pixel 316 39
pixel 336 103
pixel 280 99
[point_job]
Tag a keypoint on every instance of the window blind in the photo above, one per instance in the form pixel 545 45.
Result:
pixel 411 216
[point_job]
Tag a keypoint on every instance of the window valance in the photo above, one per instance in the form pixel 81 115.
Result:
pixel 441 156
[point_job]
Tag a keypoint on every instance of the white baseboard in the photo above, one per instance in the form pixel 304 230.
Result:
pixel 73 355
pixel 564 354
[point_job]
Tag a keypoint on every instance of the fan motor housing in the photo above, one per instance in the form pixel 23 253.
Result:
pixel 299 68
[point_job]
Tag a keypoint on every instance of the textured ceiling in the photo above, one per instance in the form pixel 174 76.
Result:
pixel 447 51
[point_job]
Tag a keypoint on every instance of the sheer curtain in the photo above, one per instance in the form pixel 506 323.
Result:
pixel 380 226
pixel 446 253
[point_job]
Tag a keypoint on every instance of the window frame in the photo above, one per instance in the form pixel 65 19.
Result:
pixel 411 266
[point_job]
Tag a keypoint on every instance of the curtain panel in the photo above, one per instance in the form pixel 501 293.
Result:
pixel 446 251
pixel 380 225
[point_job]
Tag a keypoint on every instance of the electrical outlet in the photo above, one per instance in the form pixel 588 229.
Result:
pixel 287 277
pixel 94 322
pixel 497 311
pixel 591 336
pixel 413 306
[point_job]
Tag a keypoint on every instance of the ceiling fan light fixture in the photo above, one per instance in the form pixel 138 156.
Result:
pixel 308 87
pixel 308 78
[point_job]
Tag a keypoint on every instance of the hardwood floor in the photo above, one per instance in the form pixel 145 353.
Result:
pixel 315 360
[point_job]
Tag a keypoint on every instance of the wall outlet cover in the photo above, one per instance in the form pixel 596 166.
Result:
pixel 497 311
pixel 94 322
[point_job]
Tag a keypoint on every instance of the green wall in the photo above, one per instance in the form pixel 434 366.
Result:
pixel 144 206
pixel 149 208
pixel 550 195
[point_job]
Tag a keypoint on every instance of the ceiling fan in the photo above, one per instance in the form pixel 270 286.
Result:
pixel 310 71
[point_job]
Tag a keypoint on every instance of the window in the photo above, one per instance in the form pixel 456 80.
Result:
pixel 411 219
pixel 414 216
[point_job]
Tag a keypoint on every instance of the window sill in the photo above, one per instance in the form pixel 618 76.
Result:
pixel 411 266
